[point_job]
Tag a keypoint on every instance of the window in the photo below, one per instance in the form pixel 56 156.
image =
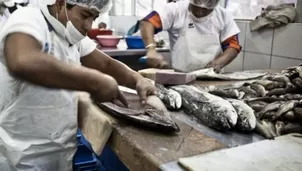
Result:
pixel 250 9
pixel 135 7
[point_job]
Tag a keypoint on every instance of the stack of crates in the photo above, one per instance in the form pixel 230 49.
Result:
pixel 84 159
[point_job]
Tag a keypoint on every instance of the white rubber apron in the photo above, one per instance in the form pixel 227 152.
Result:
pixel 194 50
pixel 38 125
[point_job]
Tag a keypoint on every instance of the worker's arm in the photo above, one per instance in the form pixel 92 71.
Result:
pixel 147 32
pixel 149 26
pixel 26 61
pixel 230 43
pixel 230 48
pixel 121 72
pixel 103 63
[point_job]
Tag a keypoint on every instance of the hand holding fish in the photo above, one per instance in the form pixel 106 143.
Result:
pixel 144 89
pixel 107 91
pixel 216 65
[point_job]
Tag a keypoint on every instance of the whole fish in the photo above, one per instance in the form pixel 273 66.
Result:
pixel 220 93
pixel 279 127
pixel 241 95
pixel 290 116
pixel 153 114
pixel 210 110
pixel 259 89
pixel 263 129
pixel 287 106
pixel 269 107
pixel 264 83
pixel 248 90
pixel 234 93
pixel 268 115
pixel 266 99
pixel 170 98
pixel 257 105
pixel 297 82
pixel 246 117
pixel 275 85
pixel 298 113
pixel 283 79
pixel 277 91
pixel 292 128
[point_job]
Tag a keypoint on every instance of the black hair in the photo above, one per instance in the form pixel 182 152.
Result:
pixel 69 6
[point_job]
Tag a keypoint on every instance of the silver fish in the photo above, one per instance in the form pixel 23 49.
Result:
pixel 220 93
pixel 263 129
pixel 279 127
pixel 283 79
pixel 170 98
pixel 292 128
pixel 298 113
pixel 211 110
pixel 297 82
pixel 241 95
pixel 287 106
pixel 257 105
pixel 264 83
pixel 275 85
pixel 248 90
pixel 290 116
pixel 269 107
pixel 246 117
pixel 277 91
pixel 259 89
pixel 268 115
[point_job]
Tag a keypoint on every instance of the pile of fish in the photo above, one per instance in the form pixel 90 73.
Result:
pixel 271 105
pixel 212 111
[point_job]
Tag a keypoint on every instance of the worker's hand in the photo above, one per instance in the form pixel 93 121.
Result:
pixel 144 89
pixel 155 60
pixel 215 65
pixel 108 91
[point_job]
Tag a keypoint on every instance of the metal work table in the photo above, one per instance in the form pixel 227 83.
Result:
pixel 141 149
pixel 122 50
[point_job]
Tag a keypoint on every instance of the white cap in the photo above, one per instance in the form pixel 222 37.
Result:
pixel 209 4
pixel 102 6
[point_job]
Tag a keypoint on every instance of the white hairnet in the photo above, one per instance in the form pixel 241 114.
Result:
pixel 209 4
pixel 101 6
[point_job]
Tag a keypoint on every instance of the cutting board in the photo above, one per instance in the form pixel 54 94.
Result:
pixel 167 76
pixel 282 154
pixel 93 122
pixel 150 72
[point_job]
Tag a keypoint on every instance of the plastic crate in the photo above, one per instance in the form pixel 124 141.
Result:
pixel 87 165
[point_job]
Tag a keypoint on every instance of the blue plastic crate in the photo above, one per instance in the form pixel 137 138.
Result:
pixel 135 42
pixel 110 160
pixel 83 154
pixel 86 165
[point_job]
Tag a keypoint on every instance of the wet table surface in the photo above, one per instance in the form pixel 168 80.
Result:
pixel 141 149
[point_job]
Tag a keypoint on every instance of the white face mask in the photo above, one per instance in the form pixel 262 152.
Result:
pixel 72 35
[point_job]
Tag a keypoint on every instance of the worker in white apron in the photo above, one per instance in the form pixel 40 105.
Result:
pixel 201 33
pixel 41 50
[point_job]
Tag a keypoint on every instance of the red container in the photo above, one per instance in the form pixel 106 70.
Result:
pixel 109 41
pixel 93 33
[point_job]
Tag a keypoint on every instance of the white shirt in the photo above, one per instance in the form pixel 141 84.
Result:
pixel 173 16
pixel 46 117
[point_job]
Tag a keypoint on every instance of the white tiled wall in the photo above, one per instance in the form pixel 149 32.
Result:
pixel 274 48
